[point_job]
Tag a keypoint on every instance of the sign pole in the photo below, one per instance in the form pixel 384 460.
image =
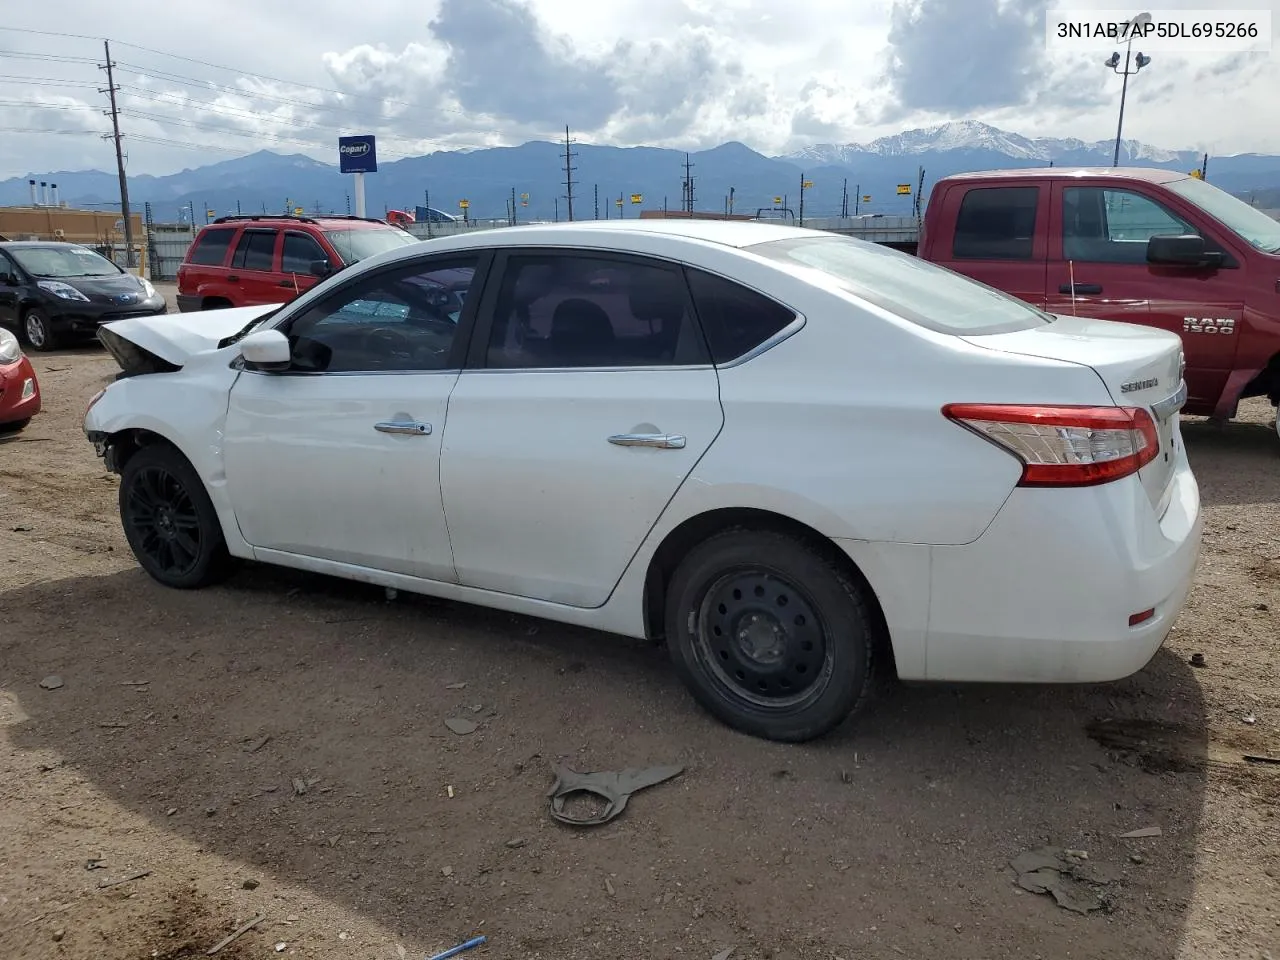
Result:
pixel 359 191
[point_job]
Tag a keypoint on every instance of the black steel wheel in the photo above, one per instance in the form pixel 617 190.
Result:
pixel 169 521
pixel 769 634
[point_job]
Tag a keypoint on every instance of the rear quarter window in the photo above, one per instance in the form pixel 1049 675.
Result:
pixel 734 319
pixel 210 248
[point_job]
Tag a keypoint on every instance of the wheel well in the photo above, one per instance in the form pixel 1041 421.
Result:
pixel 693 531
pixel 125 443
pixel 1265 384
pixel 214 303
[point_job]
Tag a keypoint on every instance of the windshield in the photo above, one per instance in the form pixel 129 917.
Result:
pixel 359 243
pixel 914 289
pixel 63 263
pixel 1250 224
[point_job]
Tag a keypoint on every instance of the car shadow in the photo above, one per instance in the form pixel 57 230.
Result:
pixel 1235 462
pixel 890 837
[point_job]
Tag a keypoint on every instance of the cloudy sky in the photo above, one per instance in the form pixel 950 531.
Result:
pixel 439 74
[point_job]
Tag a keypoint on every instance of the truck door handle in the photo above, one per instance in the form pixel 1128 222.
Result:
pixel 410 428
pixel 1081 288
pixel 233 277
pixel 662 441
pixel 285 283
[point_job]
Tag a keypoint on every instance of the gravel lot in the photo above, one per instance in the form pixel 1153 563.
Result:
pixel 186 722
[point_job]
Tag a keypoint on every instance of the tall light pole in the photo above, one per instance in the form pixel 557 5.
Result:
pixel 1132 27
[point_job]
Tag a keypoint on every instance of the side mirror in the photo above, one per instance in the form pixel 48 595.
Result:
pixel 266 350
pixel 1187 250
pixel 8 280
pixel 320 268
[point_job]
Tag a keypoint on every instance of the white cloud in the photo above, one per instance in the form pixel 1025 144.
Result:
pixel 774 74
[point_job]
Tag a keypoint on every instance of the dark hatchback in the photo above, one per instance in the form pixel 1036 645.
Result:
pixel 53 293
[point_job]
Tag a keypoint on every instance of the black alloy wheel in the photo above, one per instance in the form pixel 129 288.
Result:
pixel 169 521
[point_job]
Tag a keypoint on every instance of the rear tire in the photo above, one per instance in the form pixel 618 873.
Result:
pixel 769 634
pixel 169 520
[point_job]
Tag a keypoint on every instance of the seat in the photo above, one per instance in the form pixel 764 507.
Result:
pixel 580 331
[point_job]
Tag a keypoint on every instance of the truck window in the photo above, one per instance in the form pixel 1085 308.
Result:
pixel 1101 225
pixel 1252 225
pixel 996 223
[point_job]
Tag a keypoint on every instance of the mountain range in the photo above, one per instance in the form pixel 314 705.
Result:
pixel 267 181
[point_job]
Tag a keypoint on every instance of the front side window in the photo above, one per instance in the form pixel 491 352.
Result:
pixel 579 310
pixel 1103 225
pixel 299 252
pixel 255 251
pixel 996 223
pixel 403 319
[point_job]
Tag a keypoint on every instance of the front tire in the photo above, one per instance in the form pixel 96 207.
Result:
pixel 38 332
pixel 169 520
pixel 770 635
pixel 14 426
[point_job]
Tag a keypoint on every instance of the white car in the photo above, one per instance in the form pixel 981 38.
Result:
pixel 795 456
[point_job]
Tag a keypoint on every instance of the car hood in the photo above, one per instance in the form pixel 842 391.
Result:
pixel 106 289
pixel 175 337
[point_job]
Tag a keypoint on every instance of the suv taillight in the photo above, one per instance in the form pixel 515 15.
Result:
pixel 1065 446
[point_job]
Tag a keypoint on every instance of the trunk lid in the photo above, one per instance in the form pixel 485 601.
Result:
pixel 174 337
pixel 1140 367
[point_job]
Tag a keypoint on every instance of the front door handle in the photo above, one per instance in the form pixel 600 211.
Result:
pixel 662 441
pixel 1081 288
pixel 233 278
pixel 410 428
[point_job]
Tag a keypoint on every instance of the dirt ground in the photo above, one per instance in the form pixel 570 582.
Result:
pixel 276 747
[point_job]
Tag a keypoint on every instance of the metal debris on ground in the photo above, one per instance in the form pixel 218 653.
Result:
pixel 1259 758
pixel 1072 883
pixel 299 786
pixel 51 682
pixel 460 685
pixel 1142 832
pixel 724 954
pixel 129 879
pixel 454 951
pixel 460 725
pixel 616 788
pixel 1197 660
pixel 235 935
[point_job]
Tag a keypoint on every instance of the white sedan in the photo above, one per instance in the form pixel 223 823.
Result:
pixel 796 457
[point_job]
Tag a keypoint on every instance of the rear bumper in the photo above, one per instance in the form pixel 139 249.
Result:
pixel 19 391
pixel 1046 593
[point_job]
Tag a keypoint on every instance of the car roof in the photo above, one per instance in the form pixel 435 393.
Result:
pixel 1149 174
pixel 275 219
pixel 42 243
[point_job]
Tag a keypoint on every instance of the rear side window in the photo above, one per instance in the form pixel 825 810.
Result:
pixel 255 251
pixel 996 223
pixel 735 320
pixel 299 252
pixel 211 247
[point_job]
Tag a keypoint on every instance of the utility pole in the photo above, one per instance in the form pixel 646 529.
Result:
pixel 688 183
pixel 426 199
pixel 114 114
pixel 1204 167
pixel 731 192
pixel 513 206
pixel 557 202
pixel 622 211
pixel 568 172
pixel 857 198
pixel 844 199
pixel 919 192
pixel 237 208
pixel 803 183
pixel 596 190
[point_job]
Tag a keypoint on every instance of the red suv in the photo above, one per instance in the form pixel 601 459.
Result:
pixel 244 261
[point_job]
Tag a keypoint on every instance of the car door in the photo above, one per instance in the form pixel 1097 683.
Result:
pixel 1000 237
pixel 1100 242
pixel 254 273
pixel 587 399
pixel 338 458
pixel 10 291
pixel 298 251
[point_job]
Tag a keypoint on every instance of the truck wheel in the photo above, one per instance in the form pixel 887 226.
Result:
pixel 769 635
pixel 169 520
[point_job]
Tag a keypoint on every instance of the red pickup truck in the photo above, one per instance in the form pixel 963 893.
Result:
pixel 1144 246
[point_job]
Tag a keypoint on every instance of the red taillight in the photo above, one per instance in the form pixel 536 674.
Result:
pixel 1143 617
pixel 1065 446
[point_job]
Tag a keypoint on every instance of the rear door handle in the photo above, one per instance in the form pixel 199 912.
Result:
pixel 662 441
pixel 233 277
pixel 1081 288
pixel 410 428
pixel 286 283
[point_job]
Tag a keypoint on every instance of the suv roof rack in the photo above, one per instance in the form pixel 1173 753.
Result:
pixel 237 217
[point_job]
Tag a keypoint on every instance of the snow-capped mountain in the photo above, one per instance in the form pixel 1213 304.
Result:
pixel 975 136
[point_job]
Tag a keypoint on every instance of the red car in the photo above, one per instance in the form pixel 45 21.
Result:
pixel 19 389
pixel 244 261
